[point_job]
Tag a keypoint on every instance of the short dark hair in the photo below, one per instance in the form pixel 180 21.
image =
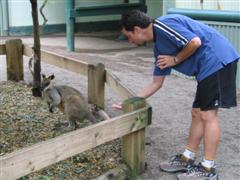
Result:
pixel 135 18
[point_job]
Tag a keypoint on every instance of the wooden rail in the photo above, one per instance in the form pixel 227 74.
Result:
pixel 64 62
pixel 115 84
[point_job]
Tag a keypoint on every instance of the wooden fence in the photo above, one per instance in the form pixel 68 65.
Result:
pixel 130 126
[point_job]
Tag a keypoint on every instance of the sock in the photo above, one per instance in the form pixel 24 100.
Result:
pixel 207 163
pixel 189 154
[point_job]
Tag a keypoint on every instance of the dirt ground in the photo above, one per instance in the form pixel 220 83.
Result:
pixel 168 132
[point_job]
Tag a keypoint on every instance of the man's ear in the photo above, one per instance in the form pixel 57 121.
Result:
pixel 136 29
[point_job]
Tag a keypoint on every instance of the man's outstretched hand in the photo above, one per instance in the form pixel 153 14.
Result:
pixel 117 106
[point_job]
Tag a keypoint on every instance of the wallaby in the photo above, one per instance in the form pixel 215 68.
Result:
pixel 69 100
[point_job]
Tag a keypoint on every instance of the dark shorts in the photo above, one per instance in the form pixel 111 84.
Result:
pixel 217 90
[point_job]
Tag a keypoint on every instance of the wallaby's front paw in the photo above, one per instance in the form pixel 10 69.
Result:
pixel 60 126
pixel 69 128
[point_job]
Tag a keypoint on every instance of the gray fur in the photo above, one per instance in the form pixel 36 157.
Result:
pixel 69 100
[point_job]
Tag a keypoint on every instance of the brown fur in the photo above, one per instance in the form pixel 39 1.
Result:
pixel 69 100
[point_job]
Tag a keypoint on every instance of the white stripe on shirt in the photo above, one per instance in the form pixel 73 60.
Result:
pixel 171 31
pixel 171 34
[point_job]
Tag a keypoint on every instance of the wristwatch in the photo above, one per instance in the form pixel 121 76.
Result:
pixel 176 60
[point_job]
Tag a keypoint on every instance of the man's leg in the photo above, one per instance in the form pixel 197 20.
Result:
pixel 206 170
pixel 182 162
pixel 211 133
pixel 207 127
pixel 205 124
pixel 196 130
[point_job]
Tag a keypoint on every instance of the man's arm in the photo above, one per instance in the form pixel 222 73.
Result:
pixel 148 91
pixel 165 61
pixel 153 87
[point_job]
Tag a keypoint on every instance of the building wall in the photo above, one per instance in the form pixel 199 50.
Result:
pixel 232 5
pixel 20 11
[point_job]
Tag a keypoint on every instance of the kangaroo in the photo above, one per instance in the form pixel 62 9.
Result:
pixel 69 100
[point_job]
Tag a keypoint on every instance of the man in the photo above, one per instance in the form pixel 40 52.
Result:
pixel 193 49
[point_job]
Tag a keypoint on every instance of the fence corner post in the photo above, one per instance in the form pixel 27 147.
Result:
pixel 133 145
pixel 96 84
pixel 14 53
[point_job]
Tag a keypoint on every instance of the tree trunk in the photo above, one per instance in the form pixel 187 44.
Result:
pixel 36 90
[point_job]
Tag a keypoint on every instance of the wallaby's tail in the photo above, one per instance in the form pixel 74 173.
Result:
pixel 30 65
pixel 103 114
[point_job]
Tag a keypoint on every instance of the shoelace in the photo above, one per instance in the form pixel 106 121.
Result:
pixel 177 160
pixel 198 169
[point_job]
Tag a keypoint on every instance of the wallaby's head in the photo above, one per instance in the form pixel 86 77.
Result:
pixel 46 81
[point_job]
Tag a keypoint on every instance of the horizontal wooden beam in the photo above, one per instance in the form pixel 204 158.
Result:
pixel 61 61
pixel 43 154
pixel 115 84
pixel 2 49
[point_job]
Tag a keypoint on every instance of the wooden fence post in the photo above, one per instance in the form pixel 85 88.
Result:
pixel 14 52
pixel 96 84
pixel 133 145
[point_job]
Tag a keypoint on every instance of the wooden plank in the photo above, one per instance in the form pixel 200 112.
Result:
pixel 27 50
pixel 133 151
pixel 40 155
pixel 61 61
pixel 115 84
pixel 14 49
pixel 133 144
pixel 96 85
pixel 2 49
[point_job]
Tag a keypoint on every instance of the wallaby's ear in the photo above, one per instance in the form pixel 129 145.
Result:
pixel 43 76
pixel 52 77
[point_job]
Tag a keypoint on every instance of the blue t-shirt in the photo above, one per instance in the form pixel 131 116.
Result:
pixel 173 32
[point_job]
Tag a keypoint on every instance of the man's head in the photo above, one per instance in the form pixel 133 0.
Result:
pixel 135 24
